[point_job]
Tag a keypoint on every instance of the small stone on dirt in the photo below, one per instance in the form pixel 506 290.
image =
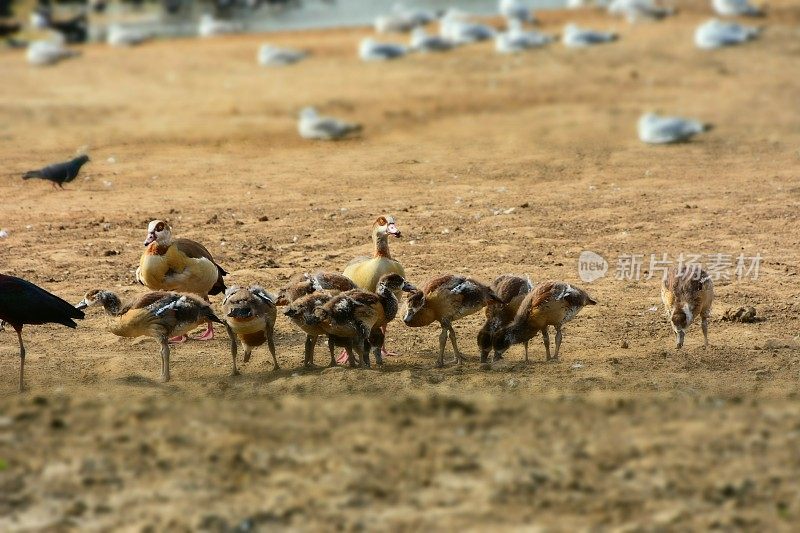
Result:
pixel 741 314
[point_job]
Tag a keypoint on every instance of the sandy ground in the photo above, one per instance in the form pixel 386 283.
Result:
pixel 643 438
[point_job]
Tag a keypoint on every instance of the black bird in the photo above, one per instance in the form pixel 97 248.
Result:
pixel 7 29
pixel 75 30
pixel 22 302
pixel 59 173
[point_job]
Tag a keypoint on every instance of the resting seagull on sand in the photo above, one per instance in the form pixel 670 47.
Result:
pixel 517 39
pixel 654 129
pixel 273 56
pixel 733 8
pixel 637 10
pixel 313 126
pixel 42 53
pixel 369 50
pixel 455 27
pixel 716 34
pixel 576 37
pixel 422 41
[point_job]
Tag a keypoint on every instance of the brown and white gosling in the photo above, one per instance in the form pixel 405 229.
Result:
pixel 305 284
pixel 363 315
pixel 251 314
pixel 552 303
pixel 511 290
pixel 301 313
pixel 687 293
pixel 181 265
pixel 160 315
pixel 446 299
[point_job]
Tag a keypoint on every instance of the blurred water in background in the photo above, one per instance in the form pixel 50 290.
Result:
pixel 315 14
pixel 309 14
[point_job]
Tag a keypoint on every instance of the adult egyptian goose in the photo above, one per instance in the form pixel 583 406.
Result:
pixel 180 265
pixel 363 315
pixel 159 315
pixel 512 291
pixel 22 302
pixel 366 271
pixel 251 314
pixel 302 313
pixel 687 293
pixel 552 303
pixel 444 300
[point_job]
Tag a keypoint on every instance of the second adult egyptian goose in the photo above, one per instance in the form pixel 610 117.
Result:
pixel 366 271
pixel 180 265
pixel 363 315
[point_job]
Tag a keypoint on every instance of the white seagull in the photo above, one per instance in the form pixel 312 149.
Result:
pixel 369 50
pixel 422 41
pixel 274 56
pixel 119 35
pixel 733 8
pixel 515 10
pixel 576 37
pixel 210 26
pixel 637 10
pixel 42 53
pixel 517 39
pixel 654 129
pixel 458 29
pixel 716 34
pixel 313 126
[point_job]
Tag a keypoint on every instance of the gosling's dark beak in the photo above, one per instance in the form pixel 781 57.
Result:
pixel 82 304
pixel 407 287
pixel 240 312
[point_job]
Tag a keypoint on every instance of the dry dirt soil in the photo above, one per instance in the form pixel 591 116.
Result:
pixel 610 438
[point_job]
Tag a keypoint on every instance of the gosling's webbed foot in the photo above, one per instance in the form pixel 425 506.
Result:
pixel 207 335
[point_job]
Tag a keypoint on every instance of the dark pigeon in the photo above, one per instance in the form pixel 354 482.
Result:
pixel 60 173
pixel 75 29
pixel 7 29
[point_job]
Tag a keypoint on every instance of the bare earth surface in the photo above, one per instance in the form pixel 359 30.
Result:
pixel 636 439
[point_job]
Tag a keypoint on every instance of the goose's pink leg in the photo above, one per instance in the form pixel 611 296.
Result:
pixel 384 352
pixel 208 334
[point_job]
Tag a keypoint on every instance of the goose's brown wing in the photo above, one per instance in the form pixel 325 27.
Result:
pixel 196 250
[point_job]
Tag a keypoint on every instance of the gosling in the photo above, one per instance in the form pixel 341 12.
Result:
pixel 251 314
pixel 553 303
pixel 446 299
pixel 160 315
pixel 687 293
